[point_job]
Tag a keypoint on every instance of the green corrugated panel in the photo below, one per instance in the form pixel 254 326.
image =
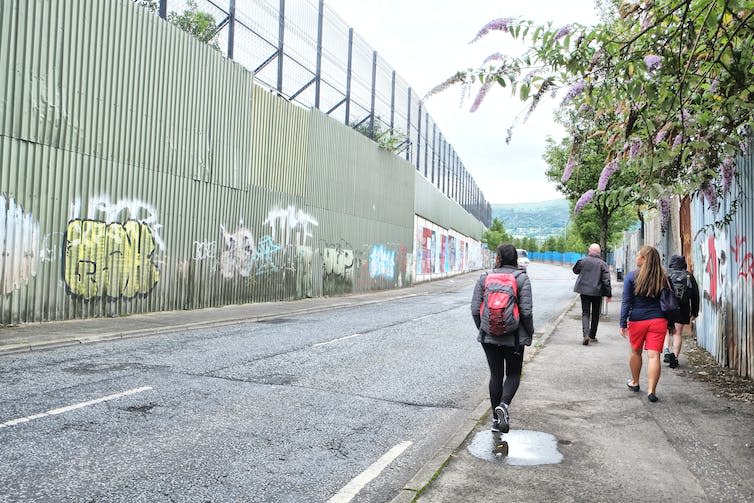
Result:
pixel 110 79
pixel 365 199
pixel 437 207
pixel 281 143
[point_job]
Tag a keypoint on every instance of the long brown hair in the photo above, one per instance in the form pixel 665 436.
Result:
pixel 650 278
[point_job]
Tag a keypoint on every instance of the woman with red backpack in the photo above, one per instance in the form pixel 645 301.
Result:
pixel 502 310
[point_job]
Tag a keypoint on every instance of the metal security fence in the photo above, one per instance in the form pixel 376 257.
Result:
pixel 301 50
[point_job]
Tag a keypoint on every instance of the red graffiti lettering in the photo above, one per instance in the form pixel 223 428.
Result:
pixel 738 247
pixel 712 268
pixel 747 266
pixel 745 261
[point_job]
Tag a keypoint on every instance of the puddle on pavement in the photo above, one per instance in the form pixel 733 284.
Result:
pixel 523 447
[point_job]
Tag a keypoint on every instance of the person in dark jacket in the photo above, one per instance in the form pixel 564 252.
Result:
pixel 505 353
pixel 592 284
pixel 642 321
pixel 688 304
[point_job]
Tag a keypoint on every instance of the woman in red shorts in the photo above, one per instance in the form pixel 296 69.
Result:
pixel 641 318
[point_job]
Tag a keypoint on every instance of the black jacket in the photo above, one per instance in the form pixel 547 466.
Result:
pixel 594 277
pixel 689 307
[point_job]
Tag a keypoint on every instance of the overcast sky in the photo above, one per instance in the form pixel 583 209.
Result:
pixel 426 41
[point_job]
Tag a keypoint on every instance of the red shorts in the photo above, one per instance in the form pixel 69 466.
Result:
pixel 647 334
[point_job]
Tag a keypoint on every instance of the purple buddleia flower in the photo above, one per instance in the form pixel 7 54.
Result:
pixel 455 79
pixel 502 24
pixel 713 86
pixel 635 148
pixel 684 115
pixel 574 91
pixel 678 140
pixel 610 168
pixel 585 199
pixel 568 171
pixel 710 194
pixel 660 136
pixel 565 30
pixel 480 95
pixel 664 213
pixel 493 57
pixel 728 170
pixel 652 61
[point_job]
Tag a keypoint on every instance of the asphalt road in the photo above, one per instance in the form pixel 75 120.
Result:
pixel 299 408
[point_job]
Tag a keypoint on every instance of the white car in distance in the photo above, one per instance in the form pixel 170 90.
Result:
pixel 523 259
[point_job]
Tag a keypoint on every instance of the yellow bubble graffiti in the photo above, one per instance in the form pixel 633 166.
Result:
pixel 113 260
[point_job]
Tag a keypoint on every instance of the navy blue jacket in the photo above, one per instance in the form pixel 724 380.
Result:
pixel 637 307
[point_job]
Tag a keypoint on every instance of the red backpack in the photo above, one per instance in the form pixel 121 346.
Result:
pixel 500 303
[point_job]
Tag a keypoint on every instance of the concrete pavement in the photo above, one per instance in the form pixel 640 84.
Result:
pixel 610 444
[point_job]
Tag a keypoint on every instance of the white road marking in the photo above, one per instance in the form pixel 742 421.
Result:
pixel 335 340
pixel 75 406
pixel 360 481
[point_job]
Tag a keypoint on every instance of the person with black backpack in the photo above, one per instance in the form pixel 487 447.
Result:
pixel 502 310
pixel 686 291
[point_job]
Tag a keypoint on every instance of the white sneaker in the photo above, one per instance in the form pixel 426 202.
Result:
pixel 501 414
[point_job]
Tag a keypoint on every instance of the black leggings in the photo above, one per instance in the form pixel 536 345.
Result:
pixel 505 372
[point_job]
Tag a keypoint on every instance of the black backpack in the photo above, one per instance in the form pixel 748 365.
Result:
pixel 681 284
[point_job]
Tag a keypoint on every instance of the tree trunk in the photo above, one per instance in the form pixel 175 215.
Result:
pixel 604 221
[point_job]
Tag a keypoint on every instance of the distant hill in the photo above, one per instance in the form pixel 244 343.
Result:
pixel 535 220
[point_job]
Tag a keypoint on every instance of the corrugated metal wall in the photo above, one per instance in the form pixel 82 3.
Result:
pixel 435 206
pixel 141 171
pixel 724 267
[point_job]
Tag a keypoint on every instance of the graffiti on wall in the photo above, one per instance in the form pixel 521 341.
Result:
pixel 286 247
pixel 426 251
pixel 19 245
pixel 103 209
pixel 714 251
pixel 290 226
pixel 338 260
pixel 109 259
pixel 205 250
pixel 381 262
pixel 442 251
pixel 743 259
pixel 111 250
pixel 239 249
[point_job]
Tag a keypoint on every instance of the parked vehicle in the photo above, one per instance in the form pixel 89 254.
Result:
pixel 523 259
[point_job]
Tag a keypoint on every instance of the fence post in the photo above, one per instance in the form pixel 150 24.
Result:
pixel 434 150
pixel 426 145
pixel 419 138
pixel 163 10
pixel 374 91
pixel 318 70
pixel 231 27
pixel 348 77
pixel 408 126
pixel 392 103
pixel 281 36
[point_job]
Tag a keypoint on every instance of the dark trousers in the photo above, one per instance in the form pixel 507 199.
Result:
pixel 505 372
pixel 590 314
